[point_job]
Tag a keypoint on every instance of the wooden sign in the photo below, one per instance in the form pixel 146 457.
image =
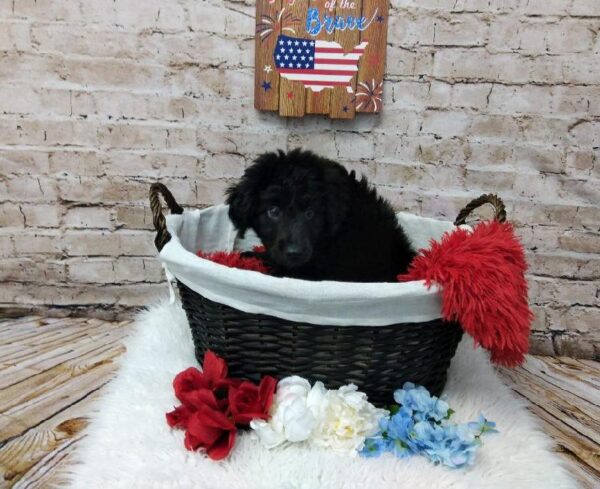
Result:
pixel 320 56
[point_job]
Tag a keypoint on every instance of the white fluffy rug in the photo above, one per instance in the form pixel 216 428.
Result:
pixel 129 444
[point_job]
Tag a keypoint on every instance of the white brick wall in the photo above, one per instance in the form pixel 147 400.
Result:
pixel 100 98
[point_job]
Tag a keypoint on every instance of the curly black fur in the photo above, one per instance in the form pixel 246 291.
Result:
pixel 317 221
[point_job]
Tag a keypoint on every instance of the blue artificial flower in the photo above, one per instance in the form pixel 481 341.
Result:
pixel 400 429
pixel 439 409
pixel 375 446
pixel 412 397
pixel 384 423
pixel 450 445
pixel 421 404
pixel 400 448
pixel 482 426
pixel 420 425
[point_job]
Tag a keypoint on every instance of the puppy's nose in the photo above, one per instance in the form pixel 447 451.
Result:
pixel 293 250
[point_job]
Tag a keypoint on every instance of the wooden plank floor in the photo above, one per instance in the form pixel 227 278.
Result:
pixel 565 395
pixel 52 370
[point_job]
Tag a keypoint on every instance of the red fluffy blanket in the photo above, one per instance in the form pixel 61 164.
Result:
pixel 482 274
pixel 234 259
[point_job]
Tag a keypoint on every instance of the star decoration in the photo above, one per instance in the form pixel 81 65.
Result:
pixel 268 69
pixel 290 95
pixel 266 85
pixel 380 18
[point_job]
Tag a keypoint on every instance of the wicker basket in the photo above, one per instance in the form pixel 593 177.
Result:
pixel 378 359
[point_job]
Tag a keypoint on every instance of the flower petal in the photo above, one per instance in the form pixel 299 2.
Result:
pixel 298 421
pixel 202 433
pixel 267 433
pixel 221 448
pixel 188 380
pixel 215 419
pixel 266 391
pixel 191 442
pixel 214 368
pixel 293 387
pixel 178 418
pixel 199 397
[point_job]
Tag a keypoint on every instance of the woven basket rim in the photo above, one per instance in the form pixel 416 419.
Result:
pixel 317 302
pixel 237 273
pixel 253 296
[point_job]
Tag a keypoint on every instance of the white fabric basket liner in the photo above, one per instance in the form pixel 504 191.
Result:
pixel 321 302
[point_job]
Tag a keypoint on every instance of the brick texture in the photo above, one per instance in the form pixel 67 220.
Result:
pixel 99 99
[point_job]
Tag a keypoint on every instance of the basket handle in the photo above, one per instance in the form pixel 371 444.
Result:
pixel 493 199
pixel 160 224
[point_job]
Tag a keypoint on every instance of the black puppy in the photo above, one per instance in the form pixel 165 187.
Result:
pixel 317 221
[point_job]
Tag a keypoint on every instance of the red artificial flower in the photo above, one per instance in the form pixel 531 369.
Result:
pixel 178 418
pixel 213 377
pixel 249 401
pixel 213 406
pixel 194 400
pixel 209 429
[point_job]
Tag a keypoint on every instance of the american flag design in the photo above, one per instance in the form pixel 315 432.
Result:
pixel 316 63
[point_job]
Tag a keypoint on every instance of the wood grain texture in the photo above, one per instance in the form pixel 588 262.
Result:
pixel 369 85
pixel 53 370
pixel 51 471
pixel 51 373
pixel 573 449
pixel 318 102
pixel 266 83
pixel 342 102
pixel 563 395
pixel 580 415
pixel 292 95
pixel 568 375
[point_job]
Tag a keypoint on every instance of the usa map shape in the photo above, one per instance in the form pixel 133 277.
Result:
pixel 317 64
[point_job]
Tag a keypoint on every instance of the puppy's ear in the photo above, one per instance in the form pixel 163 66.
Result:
pixel 337 197
pixel 239 198
pixel 243 196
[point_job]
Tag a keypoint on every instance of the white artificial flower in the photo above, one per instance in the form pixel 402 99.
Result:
pixel 291 420
pixel 337 419
pixel 293 386
pixel 267 433
pixel 346 418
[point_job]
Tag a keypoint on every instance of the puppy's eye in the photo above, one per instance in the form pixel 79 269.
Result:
pixel 309 213
pixel 274 212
